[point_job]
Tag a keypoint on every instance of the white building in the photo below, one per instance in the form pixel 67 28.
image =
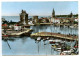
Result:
pixel 76 19
pixel 56 20
pixel 17 27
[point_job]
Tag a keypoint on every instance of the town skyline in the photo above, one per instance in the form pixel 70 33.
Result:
pixel 39 8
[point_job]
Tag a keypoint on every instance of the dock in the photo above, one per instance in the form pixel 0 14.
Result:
pixel 54 35
pixel 18 33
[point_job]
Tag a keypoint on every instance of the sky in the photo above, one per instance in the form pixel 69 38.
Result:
pixel 39 8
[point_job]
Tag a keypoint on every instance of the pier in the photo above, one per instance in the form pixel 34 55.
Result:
pixel 17 33
pixel 55 35
pixel 20 33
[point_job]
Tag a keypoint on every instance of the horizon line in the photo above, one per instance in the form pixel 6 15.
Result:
pixel 38 15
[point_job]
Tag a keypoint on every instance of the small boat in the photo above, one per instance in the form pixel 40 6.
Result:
pixel 53 46
pixel 39 38
pixel 44 39
pixel 58 49
pixel 47 38
pixel 52 42
pixel 56 40
pixel 62 53
pixel 67 52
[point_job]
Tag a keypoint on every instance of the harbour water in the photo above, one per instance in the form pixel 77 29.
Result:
pixel 29 46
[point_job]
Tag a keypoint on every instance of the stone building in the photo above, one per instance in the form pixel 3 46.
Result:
pixel 35 19
pixel 26 19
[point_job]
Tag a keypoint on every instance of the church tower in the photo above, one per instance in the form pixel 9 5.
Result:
pixel 71 15
pixel 53 13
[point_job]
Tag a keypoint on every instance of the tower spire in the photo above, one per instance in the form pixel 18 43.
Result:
pixel 53 13
pixel 71 14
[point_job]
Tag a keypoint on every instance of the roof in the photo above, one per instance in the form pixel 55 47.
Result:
pixel 17 25
pixel 4 24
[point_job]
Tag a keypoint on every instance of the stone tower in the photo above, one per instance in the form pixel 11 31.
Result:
pixel 23 17
pixel 53 13
pixel 35 19
pixel 26 19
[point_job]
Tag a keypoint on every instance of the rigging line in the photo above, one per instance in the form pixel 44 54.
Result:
pixel 8 44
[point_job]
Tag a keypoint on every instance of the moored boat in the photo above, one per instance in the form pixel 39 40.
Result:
pixel 39 38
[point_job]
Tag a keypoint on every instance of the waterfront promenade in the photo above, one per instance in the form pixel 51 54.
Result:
pixel 17 33
pixel 55 35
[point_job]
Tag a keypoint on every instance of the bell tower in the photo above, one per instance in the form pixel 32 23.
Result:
pixel 53 13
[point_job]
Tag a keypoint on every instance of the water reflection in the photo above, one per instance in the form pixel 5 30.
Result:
pixel 55 29
pixel 28 46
